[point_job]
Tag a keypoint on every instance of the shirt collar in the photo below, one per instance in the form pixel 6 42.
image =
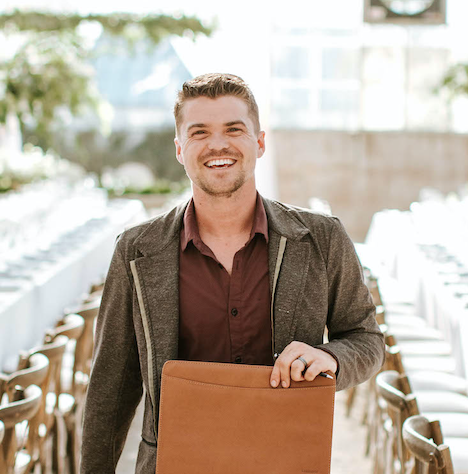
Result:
pixel 191 233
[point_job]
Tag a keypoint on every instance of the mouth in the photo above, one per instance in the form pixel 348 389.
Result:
pixel 220 163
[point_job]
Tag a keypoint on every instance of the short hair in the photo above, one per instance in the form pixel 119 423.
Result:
pixel 215 85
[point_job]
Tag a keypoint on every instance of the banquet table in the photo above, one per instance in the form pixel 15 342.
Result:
pixel 34 297
pixel 419 252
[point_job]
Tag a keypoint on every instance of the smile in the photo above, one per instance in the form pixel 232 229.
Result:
pixel 220 163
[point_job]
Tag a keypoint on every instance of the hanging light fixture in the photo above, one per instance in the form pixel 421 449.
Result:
pixel 405 11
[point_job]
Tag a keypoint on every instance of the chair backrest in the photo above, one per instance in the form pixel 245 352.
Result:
pixel 54 351
pixel 85 345
pixel 419 435
pixel 380 315
pixel 93 297
pixel 373 285
pixel 32 370
pixel 72 326
pixel 98 286
pixel 391 386
pixel 393 359
pixel 11 414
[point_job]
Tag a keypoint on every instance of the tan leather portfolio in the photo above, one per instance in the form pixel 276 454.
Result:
pixel 227 419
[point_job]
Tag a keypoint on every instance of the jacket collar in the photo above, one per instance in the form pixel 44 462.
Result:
pixel 281 220
pixel 161 231
pixel 164 229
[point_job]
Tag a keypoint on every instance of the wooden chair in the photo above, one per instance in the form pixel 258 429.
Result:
pixel 71 326
pixel 50 432
pixel 69 405
pixel 84 347
pixel 30 372
pixel 98 286
pixel 402 403
pixel 423 440
pixel 14 458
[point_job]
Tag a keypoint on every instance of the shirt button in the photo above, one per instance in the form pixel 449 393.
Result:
pixel 238 359
pixel 234 311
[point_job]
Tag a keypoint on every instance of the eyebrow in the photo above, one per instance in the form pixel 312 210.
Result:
pixel 228 124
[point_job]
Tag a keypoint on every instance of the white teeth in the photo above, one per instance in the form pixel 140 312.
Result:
pixel 224 161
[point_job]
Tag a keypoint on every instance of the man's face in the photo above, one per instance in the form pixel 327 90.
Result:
pixel 218 145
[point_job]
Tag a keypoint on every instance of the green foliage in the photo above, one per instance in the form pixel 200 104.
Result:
pixel 47 73
pixel 157 150
pixel 455 81
pixel 11 181
pixel 161 186
pixel 95 152
pixel 153 27
pixel 50 71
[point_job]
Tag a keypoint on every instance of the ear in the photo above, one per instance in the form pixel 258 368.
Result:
pixel 178 148
pixel 261 144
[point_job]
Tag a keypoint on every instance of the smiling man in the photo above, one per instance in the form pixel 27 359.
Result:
pixel 227 277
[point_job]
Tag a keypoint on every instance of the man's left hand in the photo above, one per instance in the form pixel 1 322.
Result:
pixel 288 366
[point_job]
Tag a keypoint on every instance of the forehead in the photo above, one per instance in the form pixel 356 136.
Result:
pixel 217 111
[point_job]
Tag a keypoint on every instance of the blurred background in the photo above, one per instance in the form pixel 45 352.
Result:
pixel 365 108
pixel 362 107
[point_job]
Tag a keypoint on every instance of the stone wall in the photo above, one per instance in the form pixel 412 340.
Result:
pixel 364 172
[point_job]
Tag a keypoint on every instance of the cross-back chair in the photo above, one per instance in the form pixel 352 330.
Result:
pixel 395 389
pixel 423 440
pixel 68 406
pixel 15 417
pixel 85 345
pixel 30 372
pixel 48 432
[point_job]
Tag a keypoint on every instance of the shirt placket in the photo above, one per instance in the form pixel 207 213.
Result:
pixel 235 309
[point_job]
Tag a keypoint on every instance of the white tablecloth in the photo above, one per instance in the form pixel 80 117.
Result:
pixel 34 302
pixel 430 275
pixel 442 299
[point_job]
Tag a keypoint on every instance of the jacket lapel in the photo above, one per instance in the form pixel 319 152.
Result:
pixel 294 268
pixel 158 272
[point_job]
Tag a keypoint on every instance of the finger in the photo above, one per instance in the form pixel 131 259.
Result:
pixel 313 370
pixel 275 376
pixel 297 369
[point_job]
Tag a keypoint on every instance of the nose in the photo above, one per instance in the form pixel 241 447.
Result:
pixel 218 141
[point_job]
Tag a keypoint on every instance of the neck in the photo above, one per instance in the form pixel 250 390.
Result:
pixel 225 217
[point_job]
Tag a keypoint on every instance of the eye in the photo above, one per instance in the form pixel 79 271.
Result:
pixel 198 132
pixel 234 129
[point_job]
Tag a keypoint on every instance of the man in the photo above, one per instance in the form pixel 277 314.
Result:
pixel 228 277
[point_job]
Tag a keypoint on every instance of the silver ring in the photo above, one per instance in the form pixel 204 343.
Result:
pixel 306 365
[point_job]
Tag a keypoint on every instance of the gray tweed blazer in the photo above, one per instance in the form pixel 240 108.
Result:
pixel 320 285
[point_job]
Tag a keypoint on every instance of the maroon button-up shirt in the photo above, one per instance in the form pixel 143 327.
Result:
pixel 225 318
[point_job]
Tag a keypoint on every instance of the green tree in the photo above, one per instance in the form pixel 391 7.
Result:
pixel 455 80
pixel 50 71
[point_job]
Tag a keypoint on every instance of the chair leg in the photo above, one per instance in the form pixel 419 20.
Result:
pixel 59 445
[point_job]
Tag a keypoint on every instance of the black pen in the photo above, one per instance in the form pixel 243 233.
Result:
pixel 328 376
pixel 322 374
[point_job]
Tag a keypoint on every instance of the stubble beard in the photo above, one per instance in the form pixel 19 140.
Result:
pixel 213 190
pixel 216 192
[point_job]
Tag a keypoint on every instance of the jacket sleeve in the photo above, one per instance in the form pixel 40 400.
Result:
pixel 115 386
pixel 355 339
